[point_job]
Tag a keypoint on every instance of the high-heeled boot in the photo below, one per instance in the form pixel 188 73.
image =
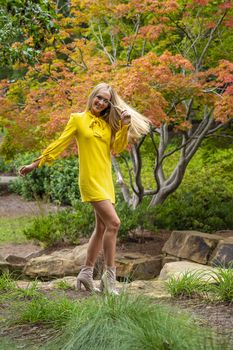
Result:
pixel 108 281
pixel 85 278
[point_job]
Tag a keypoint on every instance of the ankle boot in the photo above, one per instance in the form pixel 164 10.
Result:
pixel 108 281
pixel 85 278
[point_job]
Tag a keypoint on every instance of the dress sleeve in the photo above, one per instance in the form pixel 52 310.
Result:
pixel 121 140
pixel 57 147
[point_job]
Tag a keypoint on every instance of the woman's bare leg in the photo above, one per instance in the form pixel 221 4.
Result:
pixel 95 242
pixel 106 211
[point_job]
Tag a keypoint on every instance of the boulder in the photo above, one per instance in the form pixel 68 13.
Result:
pixel 191 245
pixel 179 268
pixel 223 254
pixel 57 264
pixel 169 258
pixel 135 266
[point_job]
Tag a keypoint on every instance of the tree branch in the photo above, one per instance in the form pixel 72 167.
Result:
pixel 209 40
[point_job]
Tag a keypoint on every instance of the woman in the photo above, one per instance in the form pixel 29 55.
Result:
pixel 107 125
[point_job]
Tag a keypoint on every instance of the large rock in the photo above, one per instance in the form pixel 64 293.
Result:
pixel 223 254
pixel 58 264
pixel 191 245
pixel 179 268
pixel 135 266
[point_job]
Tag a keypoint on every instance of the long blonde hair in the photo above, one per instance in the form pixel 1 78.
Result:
pixel 139 125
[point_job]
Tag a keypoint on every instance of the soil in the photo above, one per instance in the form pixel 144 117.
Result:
pixel 12 205
pixel 218 317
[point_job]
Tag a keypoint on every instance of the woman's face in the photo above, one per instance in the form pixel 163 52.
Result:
pixel 100 102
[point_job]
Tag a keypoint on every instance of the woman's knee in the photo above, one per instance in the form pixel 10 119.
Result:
pixel 114 224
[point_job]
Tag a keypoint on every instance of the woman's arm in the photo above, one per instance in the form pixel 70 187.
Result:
pixel 120 141
pixel 24 170
pixel 54 149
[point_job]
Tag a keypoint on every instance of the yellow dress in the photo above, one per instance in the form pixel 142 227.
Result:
pixel 93 137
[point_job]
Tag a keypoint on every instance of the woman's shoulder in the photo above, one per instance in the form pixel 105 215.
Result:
pixel 77 114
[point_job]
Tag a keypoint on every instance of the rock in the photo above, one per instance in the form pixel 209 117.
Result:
pixel 58 264
pixel 69 280
pixel 152 288
pixel 16 264
pixel 15 260
pixel 225 233
pixel 223 254
pixel 135 266
pixel 80 253
pixel 4 266
pixel 191 245
pixel 141 235
pixel 169 258
pixel 177 270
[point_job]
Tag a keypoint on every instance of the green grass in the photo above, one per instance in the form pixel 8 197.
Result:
pixel 11 229
pixel 219 288
pixel 223 287
pixel 7 284
pixel 189 284
pixel 104 322
pixel 132 323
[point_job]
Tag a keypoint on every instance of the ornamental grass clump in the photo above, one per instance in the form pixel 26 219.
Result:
pixel 223 286
pixel 131 322
pixel 190 284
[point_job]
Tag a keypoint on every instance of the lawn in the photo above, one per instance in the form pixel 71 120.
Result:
pixel 11 229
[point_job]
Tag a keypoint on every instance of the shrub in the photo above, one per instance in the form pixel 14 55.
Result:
pixel 57 183
pixel 63 226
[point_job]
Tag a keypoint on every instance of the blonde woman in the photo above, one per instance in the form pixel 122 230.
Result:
pixel 107 125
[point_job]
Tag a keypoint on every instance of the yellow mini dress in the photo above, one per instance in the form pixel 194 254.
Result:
pixel 93 137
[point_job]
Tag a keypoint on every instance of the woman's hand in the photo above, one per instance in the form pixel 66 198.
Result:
pixel 24 170
pixel 125 118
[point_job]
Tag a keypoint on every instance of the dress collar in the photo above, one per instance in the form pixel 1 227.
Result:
pixel 97 124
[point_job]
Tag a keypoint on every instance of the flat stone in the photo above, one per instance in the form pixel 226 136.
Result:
pixel 191 245
pixel 179 268
pixel 16 260
pixel 223 254
pixel 152 288
pixel 135 266
pixel 57 264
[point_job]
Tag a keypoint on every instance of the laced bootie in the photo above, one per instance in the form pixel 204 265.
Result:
pixel 108 281
pixel 85 278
